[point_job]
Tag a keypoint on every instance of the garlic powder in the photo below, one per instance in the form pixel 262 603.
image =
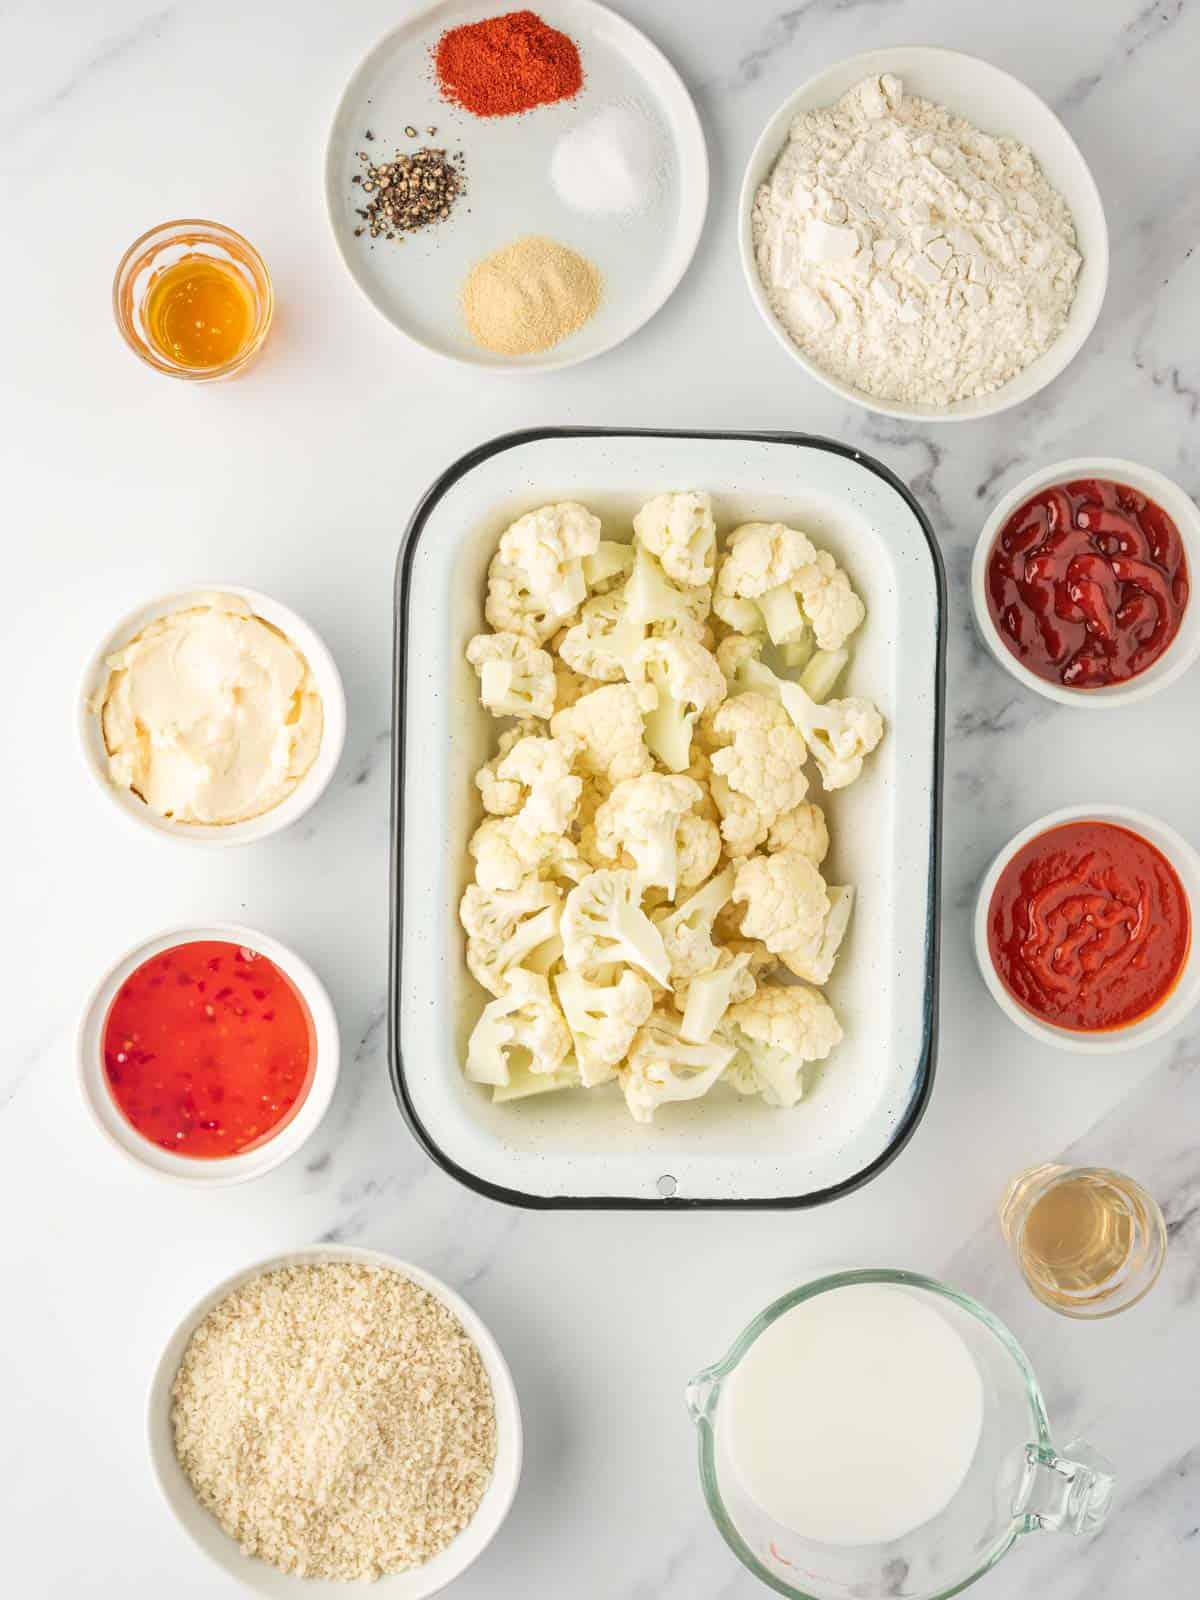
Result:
pixel 909 254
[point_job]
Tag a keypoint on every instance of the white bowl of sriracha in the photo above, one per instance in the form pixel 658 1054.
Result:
pixel 1084 929
pixel 1081 582
pixel 208 1055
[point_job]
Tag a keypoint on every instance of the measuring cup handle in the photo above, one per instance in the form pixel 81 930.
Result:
pixel 1070 1492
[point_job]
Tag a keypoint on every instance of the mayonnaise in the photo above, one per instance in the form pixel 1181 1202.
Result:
pixel 210 714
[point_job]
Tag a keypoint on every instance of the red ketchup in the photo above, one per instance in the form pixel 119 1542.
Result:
pixel 1087 582
pixel 1089 927
pixel 208 1049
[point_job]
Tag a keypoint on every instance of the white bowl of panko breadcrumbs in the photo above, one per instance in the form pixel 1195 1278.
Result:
pixel 336 1415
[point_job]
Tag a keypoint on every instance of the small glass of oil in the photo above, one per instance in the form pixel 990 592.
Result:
pixel 1089 1242
pixel 193 299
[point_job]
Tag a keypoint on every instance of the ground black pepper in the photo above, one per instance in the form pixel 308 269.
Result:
pixel 408 192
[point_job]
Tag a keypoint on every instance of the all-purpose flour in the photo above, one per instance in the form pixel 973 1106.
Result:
pixel 909 254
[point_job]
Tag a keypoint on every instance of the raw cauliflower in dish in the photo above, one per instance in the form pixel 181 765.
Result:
pixel 650 907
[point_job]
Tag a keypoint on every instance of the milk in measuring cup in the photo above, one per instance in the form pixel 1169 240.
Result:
pixel 855 1416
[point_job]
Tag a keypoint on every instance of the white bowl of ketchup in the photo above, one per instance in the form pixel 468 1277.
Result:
pixel 1167 666
pixel 1094 921
pixel 208 1055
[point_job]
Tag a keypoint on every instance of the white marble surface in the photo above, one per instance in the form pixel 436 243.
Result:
pixel 298 480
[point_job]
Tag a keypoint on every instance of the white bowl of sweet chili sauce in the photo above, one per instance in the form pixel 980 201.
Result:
pixel 208 1055
pixel 1116 642
pixel 1085 929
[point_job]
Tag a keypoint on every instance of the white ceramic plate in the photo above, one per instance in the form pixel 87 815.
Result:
pixel 1183 650
pixel 306 793
pixel 999 104
pixel 415 284
pixel 581 1147
pixel 1183 998
pixel 256 1576
pixel 263 1158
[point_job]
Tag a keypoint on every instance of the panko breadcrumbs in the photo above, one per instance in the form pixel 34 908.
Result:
pixel 336 1419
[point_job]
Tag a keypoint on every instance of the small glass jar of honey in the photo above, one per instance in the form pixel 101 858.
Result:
pixel 193 299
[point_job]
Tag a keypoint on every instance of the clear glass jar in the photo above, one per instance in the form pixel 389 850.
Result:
pixel 144 263
pixel 1089 1242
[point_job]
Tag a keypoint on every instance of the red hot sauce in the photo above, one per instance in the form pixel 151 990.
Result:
pixel 1089 927
pixel 1087 582
pixel 208 1049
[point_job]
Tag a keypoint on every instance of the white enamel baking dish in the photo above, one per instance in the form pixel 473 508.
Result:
pixel 581 1148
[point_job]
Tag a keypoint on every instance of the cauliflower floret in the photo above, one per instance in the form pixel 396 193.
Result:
pixel 687 933
pixel 687 682
pixel 776 1032
pixel 607 566
pixel 498 862
pixel 785 898
pixel 814 959
pixel 607 723
pixel 679 530
pixel 504 925
pixel 761 565
pixel 762 757
pixel 653 601
pixel 505 854
pixel 802 828
pixel 664 1067
pixel 743 826
pixel 512 606
pixel 603 922
pixel 503 797
pixel 698 840
pixel 642 816
pixel 775 577
pixel 550 790
pixel 830 604
pixel 516 679
pixel 603 1018
pixel 523 1025
pixel 548 547
pixel 840 733
pixel 604 643
pixel 706 998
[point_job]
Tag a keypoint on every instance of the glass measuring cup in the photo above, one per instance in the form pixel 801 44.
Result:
pixel 1017 1483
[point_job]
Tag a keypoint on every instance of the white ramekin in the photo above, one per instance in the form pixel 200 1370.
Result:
pixel 307 792
pixel 256 1576
pixel 999 103
pixel 1183 649
pixel 208 1174
pixel 1183 997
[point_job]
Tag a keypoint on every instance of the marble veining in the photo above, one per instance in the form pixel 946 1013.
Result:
pixel 299 480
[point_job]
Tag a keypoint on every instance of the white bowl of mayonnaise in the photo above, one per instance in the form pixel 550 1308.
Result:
pixel 212 714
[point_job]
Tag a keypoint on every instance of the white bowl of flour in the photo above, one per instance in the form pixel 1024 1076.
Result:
pixel 936 262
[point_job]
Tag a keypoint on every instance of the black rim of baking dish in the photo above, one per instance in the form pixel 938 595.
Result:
pixel 923 1084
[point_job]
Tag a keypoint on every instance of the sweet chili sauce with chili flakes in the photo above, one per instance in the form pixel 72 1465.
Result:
pixel 1087 583
pixel 1089 926
pixel 208 1049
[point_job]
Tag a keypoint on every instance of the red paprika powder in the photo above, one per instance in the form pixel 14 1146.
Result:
pixel 507 65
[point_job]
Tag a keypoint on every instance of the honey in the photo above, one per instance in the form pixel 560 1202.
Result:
pixel 199 312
